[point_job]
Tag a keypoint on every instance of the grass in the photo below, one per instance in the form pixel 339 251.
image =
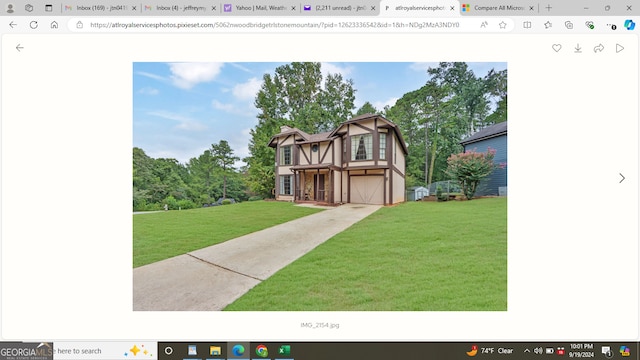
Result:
pixel 449 256
pixel 159 236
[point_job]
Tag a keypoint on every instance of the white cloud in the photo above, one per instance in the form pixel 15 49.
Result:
pixel 236 109
pixel 329 68
pixel 151 76
pixel 247 90
pixel 239 144
pixel 243 68
pixel 184 122
pixel 187 75
pixel 422 66
pixel 149 91
pixel 381 104
pixel 224 107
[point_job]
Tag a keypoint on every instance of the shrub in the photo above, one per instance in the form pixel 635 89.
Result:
pixel 469 168
pixel 186 204
pixel 171 201
pixel 226 202
pixel 440 196
pixel 255 198
pixel 153 207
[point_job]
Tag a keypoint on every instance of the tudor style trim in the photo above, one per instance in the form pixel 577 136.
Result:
pixel 322 177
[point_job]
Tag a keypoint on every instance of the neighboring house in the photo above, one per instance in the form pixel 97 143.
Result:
pixel 362 162
pixel 495 137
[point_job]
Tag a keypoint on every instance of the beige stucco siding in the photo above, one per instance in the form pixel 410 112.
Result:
pixel 337 152
pixel 305 149
pixel 398 159
pixel 398 188
pixel 337 185
pixel 356 130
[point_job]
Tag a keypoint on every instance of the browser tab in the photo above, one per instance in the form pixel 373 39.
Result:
pixel 444 8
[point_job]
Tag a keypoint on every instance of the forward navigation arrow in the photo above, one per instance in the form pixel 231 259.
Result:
pixel 622 177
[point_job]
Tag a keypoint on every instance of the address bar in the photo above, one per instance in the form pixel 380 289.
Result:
pixel 235 25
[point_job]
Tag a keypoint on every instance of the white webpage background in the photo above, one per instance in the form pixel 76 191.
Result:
pixel 572 227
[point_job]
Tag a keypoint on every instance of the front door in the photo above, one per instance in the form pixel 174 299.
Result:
pixel 318 182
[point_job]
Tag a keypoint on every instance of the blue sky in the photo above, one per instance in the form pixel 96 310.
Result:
pixel 180 109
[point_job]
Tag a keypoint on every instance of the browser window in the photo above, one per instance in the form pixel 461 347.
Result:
pixel 279 180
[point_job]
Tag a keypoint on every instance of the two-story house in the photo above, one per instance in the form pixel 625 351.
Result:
pixel 362 162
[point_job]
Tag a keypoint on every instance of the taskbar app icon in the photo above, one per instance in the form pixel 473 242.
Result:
pixel 474 351
pixel 239 350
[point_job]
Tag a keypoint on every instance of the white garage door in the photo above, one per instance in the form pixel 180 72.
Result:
pixel 367 190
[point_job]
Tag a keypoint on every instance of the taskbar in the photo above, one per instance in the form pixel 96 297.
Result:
pixel 322 350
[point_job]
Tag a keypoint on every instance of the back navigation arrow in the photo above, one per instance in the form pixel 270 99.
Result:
pixel 12 24
pixel 18 47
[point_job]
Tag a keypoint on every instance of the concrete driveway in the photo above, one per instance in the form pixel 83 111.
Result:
pixel 213 277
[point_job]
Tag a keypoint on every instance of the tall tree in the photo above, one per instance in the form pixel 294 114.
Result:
pixel 202 176
pixel 295 95
pixel 223 157
pixel 435 106
pixel 367 108
pixel 497 87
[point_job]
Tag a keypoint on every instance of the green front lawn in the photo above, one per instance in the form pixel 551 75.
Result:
pixel 414 256
pixel 159 236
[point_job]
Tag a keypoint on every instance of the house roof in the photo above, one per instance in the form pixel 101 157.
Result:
pixel 290 131
pixel 486 133
pixel 313 138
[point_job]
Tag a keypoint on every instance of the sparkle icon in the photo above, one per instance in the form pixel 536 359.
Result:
pixel 135 350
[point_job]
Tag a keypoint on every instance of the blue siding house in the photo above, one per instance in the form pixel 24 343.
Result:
pixel 495 137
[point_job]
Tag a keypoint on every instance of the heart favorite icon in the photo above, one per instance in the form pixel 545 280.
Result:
pixel 556 47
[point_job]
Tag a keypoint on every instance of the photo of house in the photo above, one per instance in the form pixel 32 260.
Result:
pixel 362 161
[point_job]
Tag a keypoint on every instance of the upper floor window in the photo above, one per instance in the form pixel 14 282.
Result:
pixel 383 146
pixel 285 155
pixel 362 147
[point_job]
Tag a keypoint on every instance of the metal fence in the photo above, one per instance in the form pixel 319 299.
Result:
pixel 448 187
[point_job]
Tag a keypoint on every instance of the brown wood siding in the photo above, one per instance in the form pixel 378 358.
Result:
pixel 376 142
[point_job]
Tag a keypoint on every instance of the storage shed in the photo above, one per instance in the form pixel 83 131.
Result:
pixel 416 193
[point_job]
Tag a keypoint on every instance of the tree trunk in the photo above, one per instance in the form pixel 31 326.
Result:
pixel 433 160
pixel 224 186
pixel 426 153
pixel 433 151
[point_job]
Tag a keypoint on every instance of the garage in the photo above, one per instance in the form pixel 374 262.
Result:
pixel 367 190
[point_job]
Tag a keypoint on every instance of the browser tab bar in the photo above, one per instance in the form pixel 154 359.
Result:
pixel 200 8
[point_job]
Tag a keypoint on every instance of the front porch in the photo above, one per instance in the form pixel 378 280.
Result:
pixel 315 186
